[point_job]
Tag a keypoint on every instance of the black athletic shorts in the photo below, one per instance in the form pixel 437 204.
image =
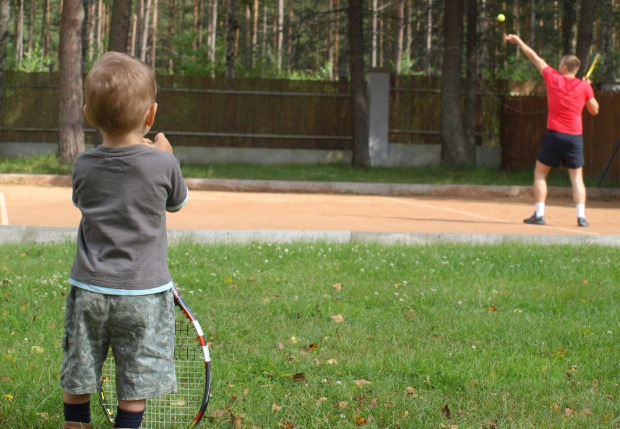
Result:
pixel 559 148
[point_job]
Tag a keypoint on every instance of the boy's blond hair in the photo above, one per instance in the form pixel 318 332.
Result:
pixel 118 91
pixel 571 62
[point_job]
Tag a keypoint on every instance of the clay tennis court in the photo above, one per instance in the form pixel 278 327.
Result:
pixel 51 206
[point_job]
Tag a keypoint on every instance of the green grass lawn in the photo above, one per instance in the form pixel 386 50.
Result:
pixel 315 335
pixel 324 172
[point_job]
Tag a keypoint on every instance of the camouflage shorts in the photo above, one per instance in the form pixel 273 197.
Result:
pixel 140 330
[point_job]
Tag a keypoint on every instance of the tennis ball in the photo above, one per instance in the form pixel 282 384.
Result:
pixel 501 17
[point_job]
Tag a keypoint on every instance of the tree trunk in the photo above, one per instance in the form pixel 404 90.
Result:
pixel 231 36
pixel 469 117
pixel 359 102
pixel 532 23
pixel 264 47
pixel 453 145
pixel 89 28
pixel 408 28
pixel 607 46
pixel 195 25
pixel 584 34
pixel 33 11
pixel 201 14
pixel 289 42
pixel 171 14
pixel 254 31
pixel 70 90
pixel 145 30
pixel 429 37
pixel 373 47
pixel 119 30
pixel 154 35
pixel 213 34
pixel 19 31
pixel 45 28
pixel 568 25
pixel 100 27
pixel 399 33
pixel 5 14
pixel 280 32
pixel 336 52
pixel 86 44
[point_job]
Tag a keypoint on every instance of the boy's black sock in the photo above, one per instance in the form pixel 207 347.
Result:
pixel 128 419
pixel 77 412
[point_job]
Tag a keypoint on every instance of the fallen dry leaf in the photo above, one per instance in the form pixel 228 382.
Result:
pixel 287 425
pixel 343 405
pixel 360 421
pixel 275 407
pixel 300 376
pixel 237 422
pixel 446 412
pixel 490 423
pixel 339 318
pixel 337 287
pixel 362 383
pixel 310 347
pixel 279 346
pixel 37 350
pixel 450 426
pixel 568 412
pixel 410 390
pixel 492 309
pixel 332 362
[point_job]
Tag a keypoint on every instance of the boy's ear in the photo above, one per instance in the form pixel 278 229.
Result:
pixel 85 110
pixel 150 115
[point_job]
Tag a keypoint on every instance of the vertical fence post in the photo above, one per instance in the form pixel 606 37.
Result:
pixel 378 117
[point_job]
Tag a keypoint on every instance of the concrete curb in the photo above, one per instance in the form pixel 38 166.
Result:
pixel 27 234
pixel 353 188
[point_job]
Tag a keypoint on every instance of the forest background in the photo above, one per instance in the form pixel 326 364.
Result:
pixel 310 40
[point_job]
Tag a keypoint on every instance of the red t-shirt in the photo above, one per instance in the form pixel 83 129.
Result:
pixel 566 97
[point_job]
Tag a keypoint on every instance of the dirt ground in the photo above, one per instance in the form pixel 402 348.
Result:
pixel 30 205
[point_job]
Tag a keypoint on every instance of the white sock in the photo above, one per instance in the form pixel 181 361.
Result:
pixel 540 209
pixel 581 210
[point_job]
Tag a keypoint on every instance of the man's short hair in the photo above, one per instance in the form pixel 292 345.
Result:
pixel 571 62
pixel 118 92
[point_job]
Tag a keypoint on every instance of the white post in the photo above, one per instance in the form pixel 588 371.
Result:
pixel 378 117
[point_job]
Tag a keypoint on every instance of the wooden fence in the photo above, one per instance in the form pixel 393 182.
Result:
pixel 257 113
pixel 281 114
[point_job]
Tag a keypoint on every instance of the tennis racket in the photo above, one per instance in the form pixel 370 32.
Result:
pixel 591 69
pixel 192 364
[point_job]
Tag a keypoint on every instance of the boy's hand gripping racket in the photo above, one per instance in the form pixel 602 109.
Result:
pixel 192 363
pixel 591 69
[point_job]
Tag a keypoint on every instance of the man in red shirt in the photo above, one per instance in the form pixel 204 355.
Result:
pixel 563 142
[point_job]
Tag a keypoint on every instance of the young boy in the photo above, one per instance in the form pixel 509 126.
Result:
pixel 121 293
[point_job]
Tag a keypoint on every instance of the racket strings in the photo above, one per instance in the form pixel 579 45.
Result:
pixel 173 410
pixel 180 408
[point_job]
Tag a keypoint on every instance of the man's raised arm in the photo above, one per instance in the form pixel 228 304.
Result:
pixel 538 62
